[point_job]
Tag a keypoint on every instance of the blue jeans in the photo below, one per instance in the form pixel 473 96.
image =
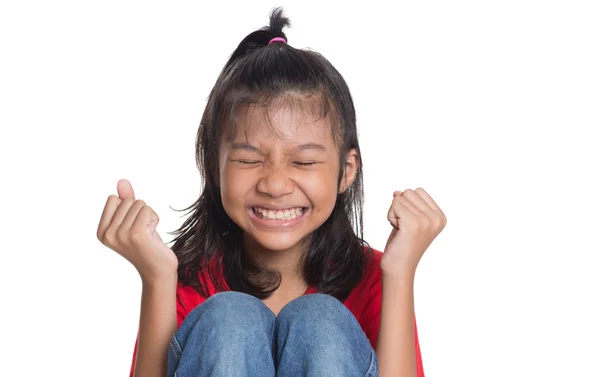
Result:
pixel 233 334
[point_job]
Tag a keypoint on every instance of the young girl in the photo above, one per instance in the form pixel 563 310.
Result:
pixel 270 275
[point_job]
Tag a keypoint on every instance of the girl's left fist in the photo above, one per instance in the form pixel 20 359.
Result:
pixel 417 220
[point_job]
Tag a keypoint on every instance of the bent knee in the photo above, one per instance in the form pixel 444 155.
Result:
pixel 235 305
pixel 316 305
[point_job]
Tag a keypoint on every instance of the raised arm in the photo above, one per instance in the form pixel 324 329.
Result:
pixel 158 323
pixel 128 226
pixel 416 220
pixel 396 341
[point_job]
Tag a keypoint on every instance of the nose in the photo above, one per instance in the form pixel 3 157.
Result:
pixel 275 183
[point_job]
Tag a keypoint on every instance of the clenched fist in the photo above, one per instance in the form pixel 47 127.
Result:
pixel 128 226
pixel 416 220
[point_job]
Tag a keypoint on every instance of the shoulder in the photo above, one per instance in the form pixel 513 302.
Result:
pixel 376 253
pixel 371 281
pixel 373 264
pixel 365 299
pixel 189 298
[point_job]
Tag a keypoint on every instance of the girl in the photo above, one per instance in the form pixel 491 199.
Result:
pixel 270 275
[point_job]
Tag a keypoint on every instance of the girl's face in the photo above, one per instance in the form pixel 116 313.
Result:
pixel 279 182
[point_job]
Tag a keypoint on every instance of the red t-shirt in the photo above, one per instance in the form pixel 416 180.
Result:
pixel 364 302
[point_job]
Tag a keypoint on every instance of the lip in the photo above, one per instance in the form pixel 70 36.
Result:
pixel 274 208
pixel 276 224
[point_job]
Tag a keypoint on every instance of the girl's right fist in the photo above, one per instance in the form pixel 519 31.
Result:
pixel 128 226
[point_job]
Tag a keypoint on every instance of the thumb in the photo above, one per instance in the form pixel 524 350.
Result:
pixel 125 189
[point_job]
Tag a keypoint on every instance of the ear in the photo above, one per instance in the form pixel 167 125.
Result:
pixel 350 170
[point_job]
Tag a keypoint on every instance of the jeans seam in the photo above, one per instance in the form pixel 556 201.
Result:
pixel 274 341
pixel 372 371
pixel 176 348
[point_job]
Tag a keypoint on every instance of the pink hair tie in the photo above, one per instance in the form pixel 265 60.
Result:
pixel 277 39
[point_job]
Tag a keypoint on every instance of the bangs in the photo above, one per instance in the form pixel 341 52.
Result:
pixel 279 76
pixel 240 103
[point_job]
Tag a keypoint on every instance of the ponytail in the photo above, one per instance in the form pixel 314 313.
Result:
pixel 262 37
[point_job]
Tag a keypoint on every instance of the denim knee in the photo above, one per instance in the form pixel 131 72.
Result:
pixel 226 312
pixel 320 327
pixel 322 314
pixel 236 304
pixel 326 308
pixel 229 334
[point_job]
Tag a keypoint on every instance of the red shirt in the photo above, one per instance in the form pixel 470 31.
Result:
pixel 364 302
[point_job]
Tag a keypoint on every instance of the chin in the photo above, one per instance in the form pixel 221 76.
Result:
pixel 277 241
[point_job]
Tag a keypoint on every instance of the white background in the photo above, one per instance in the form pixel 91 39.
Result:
pixel 492 107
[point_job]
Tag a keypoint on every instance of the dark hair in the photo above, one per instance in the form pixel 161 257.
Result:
pixel 263 74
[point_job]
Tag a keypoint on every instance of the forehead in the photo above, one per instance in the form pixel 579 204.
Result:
pixel 286 120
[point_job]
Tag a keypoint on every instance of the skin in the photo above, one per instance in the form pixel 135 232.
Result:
pixel 416 220
pixel 268 171
pixel 261 168
pixel 128 226
pixel 275 176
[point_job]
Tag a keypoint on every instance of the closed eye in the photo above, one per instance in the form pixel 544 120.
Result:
pixel 305 163
pixel 244 162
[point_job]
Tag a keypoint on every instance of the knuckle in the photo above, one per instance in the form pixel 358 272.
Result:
pixel 127 201
pixel 122 235
pixel 145 210
pixel 151 211
pixel 440 221
pixel 109 238
pixel 134 237
pixel 100 235
pixel 137 237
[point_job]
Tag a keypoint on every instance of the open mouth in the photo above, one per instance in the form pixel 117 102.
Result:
pixel 284 214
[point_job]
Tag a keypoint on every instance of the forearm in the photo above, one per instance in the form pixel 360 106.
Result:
pixel 158 323
pixel 396 342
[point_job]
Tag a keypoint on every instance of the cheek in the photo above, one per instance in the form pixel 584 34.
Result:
pixel 233 189
pixel 322 190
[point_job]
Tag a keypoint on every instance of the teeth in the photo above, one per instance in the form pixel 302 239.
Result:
pixel 287 214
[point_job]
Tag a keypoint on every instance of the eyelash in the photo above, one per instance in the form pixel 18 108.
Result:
pixel 248 162
pixel 257 162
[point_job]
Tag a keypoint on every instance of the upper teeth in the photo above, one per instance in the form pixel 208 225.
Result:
pixel 289 213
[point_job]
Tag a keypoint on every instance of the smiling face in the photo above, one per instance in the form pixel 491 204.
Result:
pixel 279 180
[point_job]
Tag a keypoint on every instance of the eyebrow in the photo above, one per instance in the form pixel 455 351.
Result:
pixel 251 148
pixel 244 147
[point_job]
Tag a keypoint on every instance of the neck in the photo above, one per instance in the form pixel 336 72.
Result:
pixel 287 261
